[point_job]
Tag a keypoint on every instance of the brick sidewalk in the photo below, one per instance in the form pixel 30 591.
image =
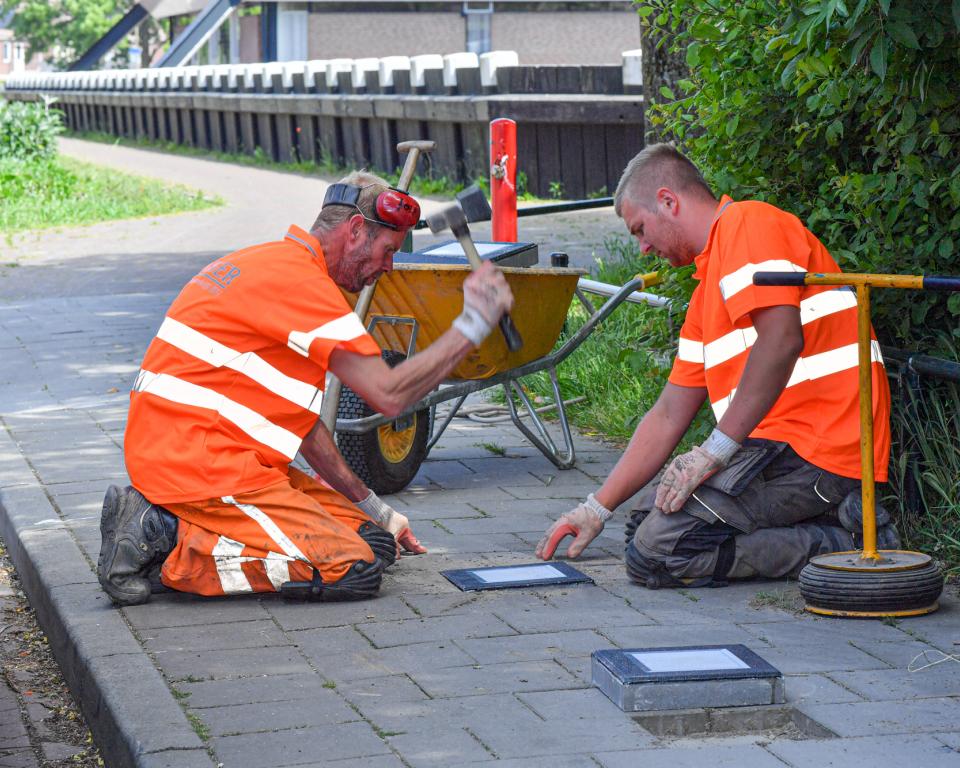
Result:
pixel 424 675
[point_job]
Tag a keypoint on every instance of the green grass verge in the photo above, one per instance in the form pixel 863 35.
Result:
pixel 66 192
pixel 623 365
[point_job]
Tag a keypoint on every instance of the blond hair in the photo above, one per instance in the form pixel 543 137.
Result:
pixel 655 167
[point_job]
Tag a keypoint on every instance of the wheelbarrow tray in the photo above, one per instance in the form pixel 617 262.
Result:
pixel 432 294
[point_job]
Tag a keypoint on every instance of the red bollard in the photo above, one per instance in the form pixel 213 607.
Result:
pixel 503 179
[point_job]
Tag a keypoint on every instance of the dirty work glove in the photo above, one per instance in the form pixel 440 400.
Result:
pixel 486 296
pixel 389 519
pixel 685 473
pixel 584 522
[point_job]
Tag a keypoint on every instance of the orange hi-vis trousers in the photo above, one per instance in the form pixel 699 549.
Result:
pixel 254 542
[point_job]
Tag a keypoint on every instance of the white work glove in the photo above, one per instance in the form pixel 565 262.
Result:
pixel 390 520
pixel 486 296
pixel 585 521
pixel 686 472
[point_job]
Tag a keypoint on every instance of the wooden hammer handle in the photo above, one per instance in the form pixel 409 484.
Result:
pixel 510 333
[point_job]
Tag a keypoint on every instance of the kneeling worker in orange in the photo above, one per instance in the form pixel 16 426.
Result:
pixel 229 392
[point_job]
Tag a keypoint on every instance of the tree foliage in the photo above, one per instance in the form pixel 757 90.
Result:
pixel 62 29
pixel 845 113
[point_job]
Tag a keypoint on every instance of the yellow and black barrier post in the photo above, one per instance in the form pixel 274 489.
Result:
pixel 868 582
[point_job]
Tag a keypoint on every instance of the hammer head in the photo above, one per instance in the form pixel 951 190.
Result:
pixel 474 204
pixel 452 217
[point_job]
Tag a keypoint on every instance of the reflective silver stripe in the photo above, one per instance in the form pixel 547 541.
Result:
pixel 302 242
pixel 342 329
pixel 827 303
pixel 811 368
pixel 226 555
pixel 253 366
pixel 720 406
pixel 252 423
pixel 739 279
pixel 269 527
pixel 728 346
pixel 278 569
pixel 739 340
pixel 690 351
pixel 833 361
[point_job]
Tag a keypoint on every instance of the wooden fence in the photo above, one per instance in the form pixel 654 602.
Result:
pixel 577 127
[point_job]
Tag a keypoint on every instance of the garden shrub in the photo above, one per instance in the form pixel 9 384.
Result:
pixel 28 130
pixel 845 113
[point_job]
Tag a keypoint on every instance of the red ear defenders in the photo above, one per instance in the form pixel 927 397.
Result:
pixel 394 209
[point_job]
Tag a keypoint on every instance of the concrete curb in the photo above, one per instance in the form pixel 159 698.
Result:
pixel 134 717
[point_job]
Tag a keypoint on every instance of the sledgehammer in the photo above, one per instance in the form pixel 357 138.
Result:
pixel 453 218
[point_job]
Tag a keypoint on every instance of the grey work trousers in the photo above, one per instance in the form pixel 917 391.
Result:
pixel 766 514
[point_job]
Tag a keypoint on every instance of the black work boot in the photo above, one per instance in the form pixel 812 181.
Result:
pixel 850 513
pixel 380 540
pixel 135 535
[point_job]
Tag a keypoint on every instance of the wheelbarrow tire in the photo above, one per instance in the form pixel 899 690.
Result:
pixel 385 459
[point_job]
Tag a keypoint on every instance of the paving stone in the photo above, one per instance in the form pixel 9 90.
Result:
pixel 182 610
pixel 300 745
pixel 380 761
pixel 276 715
pixel 177 758
pixel 212 665
pixel 252 690
pixel 656 636
pixel 392 687
pixel 495 678
pixel 715 756
pixel 499 524
pixel 363 662
pixel 545 645
pixel 225 636
pixel 893 684
pixel 876 750
pixel 952 740
pixel 386 634
pixel 437 744
pixel 550 618
pixel 292 616
pixel 816 689
pixel 887 717
pixel 580 704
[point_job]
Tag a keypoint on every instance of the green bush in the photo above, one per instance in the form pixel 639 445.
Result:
pixel 845 113
pixel 28 130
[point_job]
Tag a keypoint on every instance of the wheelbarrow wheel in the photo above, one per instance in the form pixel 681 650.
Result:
pixel 385 458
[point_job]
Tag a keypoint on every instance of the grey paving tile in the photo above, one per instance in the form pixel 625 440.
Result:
pixel 654 636
pixel 544 645
pixel 383 687
pixel 277 715
pixel 243 662
pixel 715 756
pixel 474 624
pixel 298 746
pixel 498 524
pixel 177 758
pixel 293 616
pixel 495 678
pixel 254 689
pixel 225 636
pixel 877 750
pixel 952 740
pixel 887 717
pixel 893 684
pixel 380 761
pixel 817 689
pixel 437 743
pixel 579 704
pixel 182 610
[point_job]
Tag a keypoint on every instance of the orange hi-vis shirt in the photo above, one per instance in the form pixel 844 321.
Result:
pixel 232 382
pixel 818 413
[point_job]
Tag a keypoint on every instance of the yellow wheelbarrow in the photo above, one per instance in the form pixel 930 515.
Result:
pixel 416 303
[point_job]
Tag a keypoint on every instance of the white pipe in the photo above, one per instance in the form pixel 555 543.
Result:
pixel 637 297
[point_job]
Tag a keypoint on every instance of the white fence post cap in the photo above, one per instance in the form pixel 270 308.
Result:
pixel 454 61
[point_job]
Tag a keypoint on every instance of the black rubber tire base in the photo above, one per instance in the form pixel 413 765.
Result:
pixel 863 592
pixel 363 452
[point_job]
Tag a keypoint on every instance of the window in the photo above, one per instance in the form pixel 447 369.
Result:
pixel 478 15
pixel 7 52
